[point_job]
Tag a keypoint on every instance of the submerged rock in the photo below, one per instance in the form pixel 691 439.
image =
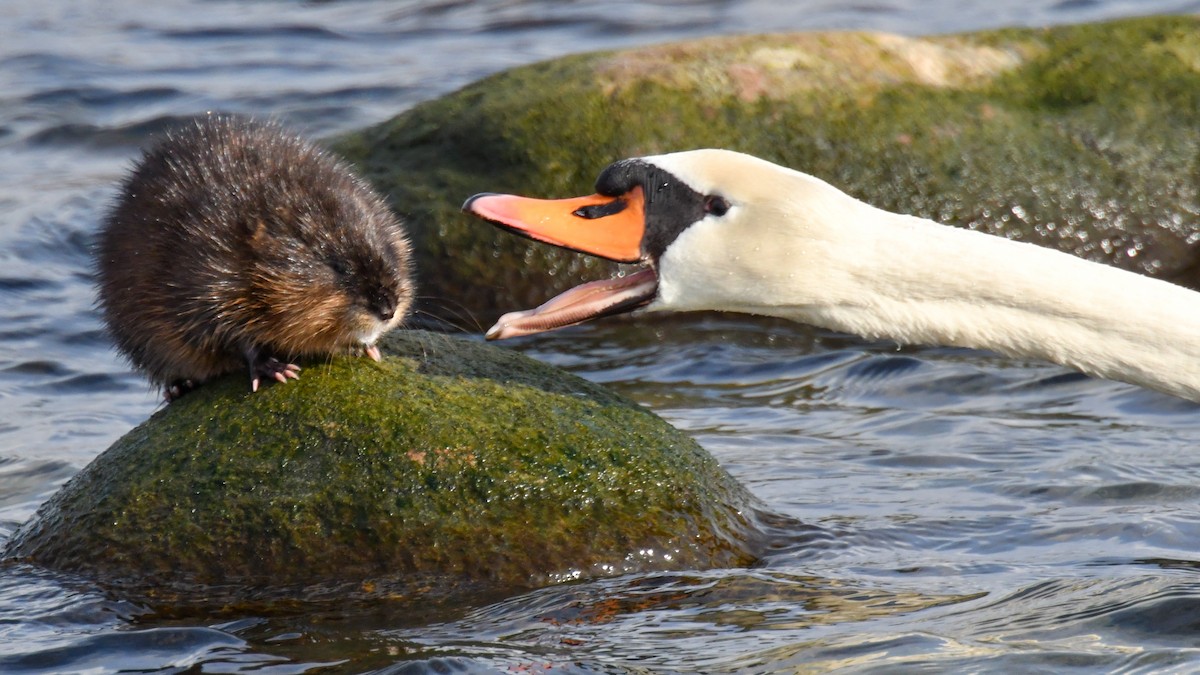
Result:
pixel 1085 138
pixel 449 468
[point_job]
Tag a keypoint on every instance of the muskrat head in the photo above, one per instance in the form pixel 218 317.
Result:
pixel 332 273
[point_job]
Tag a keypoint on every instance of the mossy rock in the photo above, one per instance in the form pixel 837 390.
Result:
pixel 1085 138
pixel 450 468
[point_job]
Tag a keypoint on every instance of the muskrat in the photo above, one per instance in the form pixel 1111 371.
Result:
pixel 235 243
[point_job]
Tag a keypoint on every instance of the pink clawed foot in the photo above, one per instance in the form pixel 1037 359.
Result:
pixel 373 352
pixel 173 391
pixel 271 368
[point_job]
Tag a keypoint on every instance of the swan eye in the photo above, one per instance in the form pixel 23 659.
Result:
pixel 716 205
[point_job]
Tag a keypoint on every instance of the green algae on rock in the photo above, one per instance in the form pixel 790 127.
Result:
pixel 1085 138
pixel 449 468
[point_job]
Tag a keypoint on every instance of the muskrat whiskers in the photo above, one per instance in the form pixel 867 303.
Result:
pixel 460 316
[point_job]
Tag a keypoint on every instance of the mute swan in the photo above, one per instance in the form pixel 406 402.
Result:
pixel 720 230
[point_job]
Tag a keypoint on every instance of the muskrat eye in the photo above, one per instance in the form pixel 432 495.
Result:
pixel 716 205
pixel 339 267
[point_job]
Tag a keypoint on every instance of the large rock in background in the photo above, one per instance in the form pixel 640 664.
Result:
pixel 450 471
pixel 1084 138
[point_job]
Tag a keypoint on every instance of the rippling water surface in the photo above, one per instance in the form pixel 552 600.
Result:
pixel 966 512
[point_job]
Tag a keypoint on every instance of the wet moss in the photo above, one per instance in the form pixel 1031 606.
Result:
pixel 449 468
pixel 1085 138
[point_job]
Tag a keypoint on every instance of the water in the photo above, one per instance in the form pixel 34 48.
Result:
pixel 969 512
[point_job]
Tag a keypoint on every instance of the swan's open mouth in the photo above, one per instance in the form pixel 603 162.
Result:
pixel 571 224
pixel 582 303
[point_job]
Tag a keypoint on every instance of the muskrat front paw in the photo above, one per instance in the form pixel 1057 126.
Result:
pixel 270 367
pixel 373 352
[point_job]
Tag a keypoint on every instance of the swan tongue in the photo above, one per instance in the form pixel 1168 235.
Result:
pixel 582 303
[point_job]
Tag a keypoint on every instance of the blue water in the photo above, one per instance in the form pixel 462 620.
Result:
pixel 970 512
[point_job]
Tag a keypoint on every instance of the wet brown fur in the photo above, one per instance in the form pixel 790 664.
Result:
pixel 231 238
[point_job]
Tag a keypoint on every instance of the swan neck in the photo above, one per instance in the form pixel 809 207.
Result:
pixel 883 275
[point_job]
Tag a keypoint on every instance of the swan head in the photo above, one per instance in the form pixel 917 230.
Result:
pixel 684 216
